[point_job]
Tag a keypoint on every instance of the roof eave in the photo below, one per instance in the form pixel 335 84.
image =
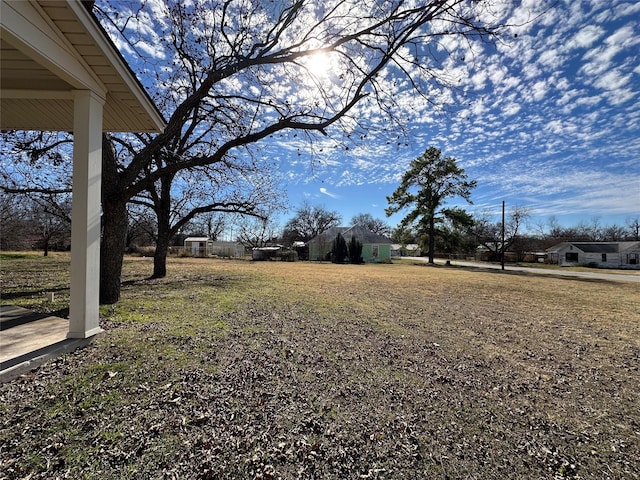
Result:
pixel 102 40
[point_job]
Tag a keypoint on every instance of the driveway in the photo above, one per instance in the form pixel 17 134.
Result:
pixel 614 277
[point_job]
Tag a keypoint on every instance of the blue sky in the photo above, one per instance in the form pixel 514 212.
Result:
pixel 549 119
pixel 546 118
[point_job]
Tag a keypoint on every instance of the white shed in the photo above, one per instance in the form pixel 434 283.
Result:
pixel 199 246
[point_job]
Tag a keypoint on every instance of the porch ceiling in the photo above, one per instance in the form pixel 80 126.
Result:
pixel 48 49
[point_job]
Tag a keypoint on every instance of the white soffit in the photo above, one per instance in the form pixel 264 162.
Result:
pixel 48 49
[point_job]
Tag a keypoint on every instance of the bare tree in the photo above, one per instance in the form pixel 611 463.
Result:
pixel 489 233
pixel 143 227
pixel 51 221
pixel 37 176
pixel 596 230
pixel 309 222
pixel 256 232
pixel 633 224
pixel 45 217
pixel 614 233
pixel 178 198
pixel 14 228
pixel 231 74
pixel 210 224
pixel 39 163
pixel 376 225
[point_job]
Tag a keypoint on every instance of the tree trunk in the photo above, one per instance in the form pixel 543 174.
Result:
pixel 115 223
pixel 432 237
pixel 162 248
pixel 114 235
pixel 163 212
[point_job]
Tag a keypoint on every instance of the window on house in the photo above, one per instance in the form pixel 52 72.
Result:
pixel 374 251
pixel 571 256
pixel 604 257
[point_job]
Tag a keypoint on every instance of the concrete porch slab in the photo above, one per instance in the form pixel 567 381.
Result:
pixel 28 339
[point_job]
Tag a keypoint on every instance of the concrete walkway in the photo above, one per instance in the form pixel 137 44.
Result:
pixel 613 277
pixel 28 339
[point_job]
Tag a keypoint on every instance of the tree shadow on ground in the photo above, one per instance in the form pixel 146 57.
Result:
pixel 7 297
pixel 522 273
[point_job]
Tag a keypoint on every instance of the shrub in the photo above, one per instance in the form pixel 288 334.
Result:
pixel 136 250
pixel 288 256
pixel 355 251
pixel 339 250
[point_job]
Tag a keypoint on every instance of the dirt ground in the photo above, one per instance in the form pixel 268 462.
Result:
pixel 233 369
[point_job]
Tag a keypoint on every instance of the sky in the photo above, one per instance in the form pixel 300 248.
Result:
pixel 548 119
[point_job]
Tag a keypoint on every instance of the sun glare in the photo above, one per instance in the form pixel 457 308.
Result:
pixel 319 64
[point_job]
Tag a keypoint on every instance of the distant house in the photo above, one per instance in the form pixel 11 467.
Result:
pixel 596 254
pixel 198 246
pixel 408 250
pixel 375 247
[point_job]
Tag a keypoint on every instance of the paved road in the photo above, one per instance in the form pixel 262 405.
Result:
pixel 615 277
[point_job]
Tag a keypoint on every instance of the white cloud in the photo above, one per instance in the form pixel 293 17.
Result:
pixel 539 90
pixel 622 96
pixel 588 100
pixel 624 37
pixel 627 9
pixel 551 58
pixel 599 60
pixel 479 80
pixel 586 37
pixel 511 109
pixel 326 192
pixel 497 74
pixel 612 80
pixel 531 71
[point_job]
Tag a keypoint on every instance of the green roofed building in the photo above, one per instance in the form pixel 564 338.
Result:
pixel 375 248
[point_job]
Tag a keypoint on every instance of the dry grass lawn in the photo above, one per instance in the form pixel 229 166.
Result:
pixel 234 369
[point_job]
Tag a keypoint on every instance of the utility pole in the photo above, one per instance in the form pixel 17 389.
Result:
pixel 502 244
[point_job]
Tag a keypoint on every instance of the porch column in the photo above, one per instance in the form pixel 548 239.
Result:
pixel 85 215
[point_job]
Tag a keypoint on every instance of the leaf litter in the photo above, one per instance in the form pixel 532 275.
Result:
pixel 402 372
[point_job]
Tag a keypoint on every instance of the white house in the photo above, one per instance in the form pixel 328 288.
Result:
pixel 596 254
pixel 60 72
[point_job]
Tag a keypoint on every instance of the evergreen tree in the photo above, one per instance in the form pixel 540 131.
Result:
pixel 339 250
pixel 429 182
pixel 355 251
